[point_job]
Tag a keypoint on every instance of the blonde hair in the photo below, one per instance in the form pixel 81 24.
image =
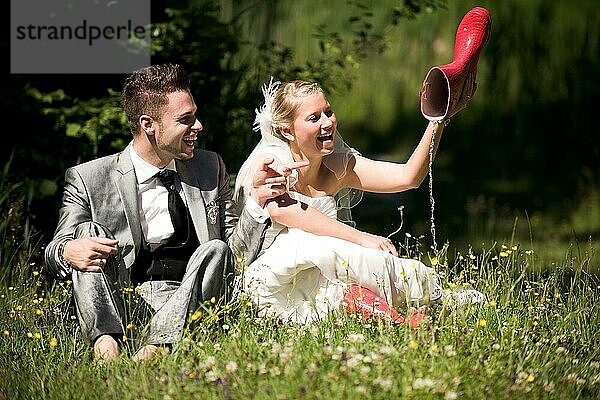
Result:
pixel 287 102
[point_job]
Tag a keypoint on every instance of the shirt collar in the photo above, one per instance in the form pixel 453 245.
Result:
pixel 144 171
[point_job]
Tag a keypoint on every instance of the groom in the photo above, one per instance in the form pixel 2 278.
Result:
pixel 157 216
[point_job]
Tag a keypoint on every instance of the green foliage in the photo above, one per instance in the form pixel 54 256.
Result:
pixel 94 120
pixel 227 67
pixel 525 142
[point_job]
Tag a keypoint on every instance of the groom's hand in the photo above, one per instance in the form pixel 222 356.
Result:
pixel 270 179
pixel 89 254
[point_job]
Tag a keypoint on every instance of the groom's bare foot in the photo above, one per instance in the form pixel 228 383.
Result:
pixel 150 351
pixel 106 349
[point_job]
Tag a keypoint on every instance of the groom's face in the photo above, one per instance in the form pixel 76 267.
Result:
pixel 178 127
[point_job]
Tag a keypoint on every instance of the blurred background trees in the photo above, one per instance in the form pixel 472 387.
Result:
pixel 526 145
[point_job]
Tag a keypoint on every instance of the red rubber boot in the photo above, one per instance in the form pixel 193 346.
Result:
pixel 448 88
pixel 363 300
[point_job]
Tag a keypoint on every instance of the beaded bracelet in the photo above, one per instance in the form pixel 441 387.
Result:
pixel 61 251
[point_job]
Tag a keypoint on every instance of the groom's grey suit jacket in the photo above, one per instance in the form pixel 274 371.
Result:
pixel 105 191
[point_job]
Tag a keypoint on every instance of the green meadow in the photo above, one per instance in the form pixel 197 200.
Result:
pixel 536 338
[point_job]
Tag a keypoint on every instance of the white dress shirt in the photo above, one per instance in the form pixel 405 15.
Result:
pixel 153 199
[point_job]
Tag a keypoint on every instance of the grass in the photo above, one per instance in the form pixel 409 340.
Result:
pixel 537 338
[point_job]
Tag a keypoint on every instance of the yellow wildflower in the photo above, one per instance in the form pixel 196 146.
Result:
pixel 53 342
pixel 6 333
pixel 37 335
pixel 531 378
pixel 197 314
pixel 482 323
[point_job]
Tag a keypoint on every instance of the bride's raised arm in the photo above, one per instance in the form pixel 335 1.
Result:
pixel 389 177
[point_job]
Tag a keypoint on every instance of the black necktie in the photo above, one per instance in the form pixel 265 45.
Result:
pixel 177 208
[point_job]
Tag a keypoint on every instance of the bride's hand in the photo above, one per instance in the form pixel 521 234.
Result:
pixel 270 179
pixel 287 169
pixel 377 242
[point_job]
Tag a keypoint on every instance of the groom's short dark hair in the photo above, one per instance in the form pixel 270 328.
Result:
pixel 145 91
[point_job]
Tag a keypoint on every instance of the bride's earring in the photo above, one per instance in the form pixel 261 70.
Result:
pixel 287 135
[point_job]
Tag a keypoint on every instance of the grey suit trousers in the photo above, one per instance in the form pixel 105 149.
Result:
pixel 99 296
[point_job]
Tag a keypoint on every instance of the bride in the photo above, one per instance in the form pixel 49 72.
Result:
pixel 313 261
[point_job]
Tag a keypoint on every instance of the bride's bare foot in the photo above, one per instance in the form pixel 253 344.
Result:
pixel 106 349
pixel 150 351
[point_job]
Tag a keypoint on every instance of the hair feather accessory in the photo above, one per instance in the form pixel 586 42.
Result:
pixel 263 122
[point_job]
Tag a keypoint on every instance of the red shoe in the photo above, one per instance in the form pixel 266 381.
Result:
pixel 448 88
pixel 363 300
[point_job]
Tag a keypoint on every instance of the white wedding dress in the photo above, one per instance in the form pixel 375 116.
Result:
pixel 301 277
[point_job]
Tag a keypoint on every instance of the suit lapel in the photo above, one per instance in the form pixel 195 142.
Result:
pixel 126 183
pixel 195 200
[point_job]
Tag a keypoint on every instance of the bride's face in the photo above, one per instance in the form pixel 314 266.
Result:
pixel 314 127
